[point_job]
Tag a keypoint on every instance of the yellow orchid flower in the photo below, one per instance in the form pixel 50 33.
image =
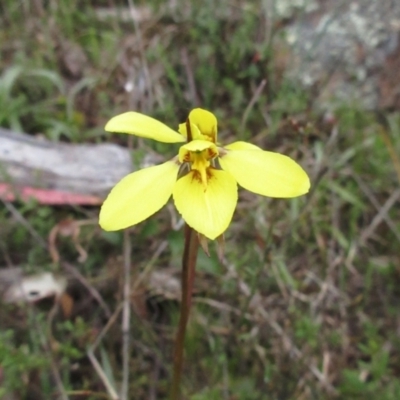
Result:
pixel 202 178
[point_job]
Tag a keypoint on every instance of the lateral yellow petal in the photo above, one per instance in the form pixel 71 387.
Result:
pixel 142 125
pixel 242 146
pixel 266 173
pixel 208 211
pixel 138 196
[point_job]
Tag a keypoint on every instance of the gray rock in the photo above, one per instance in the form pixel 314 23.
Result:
pixel 350 50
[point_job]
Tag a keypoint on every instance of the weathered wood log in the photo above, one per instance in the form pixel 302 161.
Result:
pixel 82 169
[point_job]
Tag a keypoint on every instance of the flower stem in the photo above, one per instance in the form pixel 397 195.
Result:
pixel 188 273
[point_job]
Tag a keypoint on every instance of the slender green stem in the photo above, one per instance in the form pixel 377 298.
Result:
pixel 188 273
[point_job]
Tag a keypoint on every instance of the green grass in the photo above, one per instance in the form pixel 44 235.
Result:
pixel 306 284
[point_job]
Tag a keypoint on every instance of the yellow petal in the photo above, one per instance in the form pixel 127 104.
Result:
pixel 194 130
pixel 141 125
pixel 266 173
pixel 207 211
pixel 138 196
pixel 198 150
pixel 198 145
pixel 242 146
pixel 205 120
pixel 203 125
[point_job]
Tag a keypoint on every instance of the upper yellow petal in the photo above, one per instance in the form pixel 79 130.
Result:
pixel 194 131
pixel 209 211
pixel 204 120
pixel 266 173
pixel 138 196
pixel 203 125
pixel 142 125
